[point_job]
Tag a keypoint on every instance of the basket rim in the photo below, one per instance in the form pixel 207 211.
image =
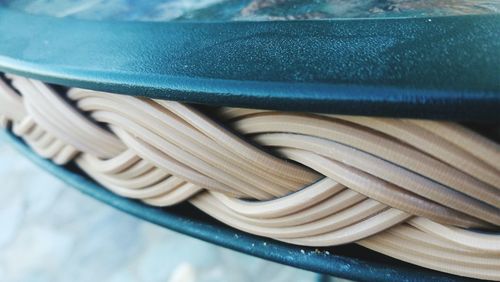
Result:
pixel 434 68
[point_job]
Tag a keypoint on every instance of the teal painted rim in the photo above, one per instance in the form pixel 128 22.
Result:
pixel 436 68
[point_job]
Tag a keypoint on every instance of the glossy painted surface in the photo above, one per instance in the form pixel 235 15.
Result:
pixel 443 68
pixel 348 261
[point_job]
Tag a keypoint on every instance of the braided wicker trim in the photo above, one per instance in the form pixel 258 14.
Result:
pixel 405 188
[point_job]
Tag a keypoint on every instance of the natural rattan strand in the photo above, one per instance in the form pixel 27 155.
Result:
pixel 405 188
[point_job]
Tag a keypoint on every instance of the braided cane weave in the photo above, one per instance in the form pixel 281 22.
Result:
pixel 410 189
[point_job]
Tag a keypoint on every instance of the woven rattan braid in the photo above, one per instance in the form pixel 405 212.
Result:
pixel 410 189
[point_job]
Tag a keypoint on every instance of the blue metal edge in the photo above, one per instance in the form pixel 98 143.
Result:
pixel 439 68
pixel 349 261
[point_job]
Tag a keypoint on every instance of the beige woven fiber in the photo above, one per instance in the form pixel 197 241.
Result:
pixel 410 189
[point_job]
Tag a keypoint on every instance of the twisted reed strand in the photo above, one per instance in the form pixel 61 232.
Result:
pixel 405 188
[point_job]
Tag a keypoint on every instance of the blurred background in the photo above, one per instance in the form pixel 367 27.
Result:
pixel 249 10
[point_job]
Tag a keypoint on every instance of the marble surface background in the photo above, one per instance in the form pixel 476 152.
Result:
pixel 51 232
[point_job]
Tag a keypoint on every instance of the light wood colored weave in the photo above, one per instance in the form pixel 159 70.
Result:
pixel 410 189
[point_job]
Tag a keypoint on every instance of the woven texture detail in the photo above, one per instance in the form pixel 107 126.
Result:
pixel 410 189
